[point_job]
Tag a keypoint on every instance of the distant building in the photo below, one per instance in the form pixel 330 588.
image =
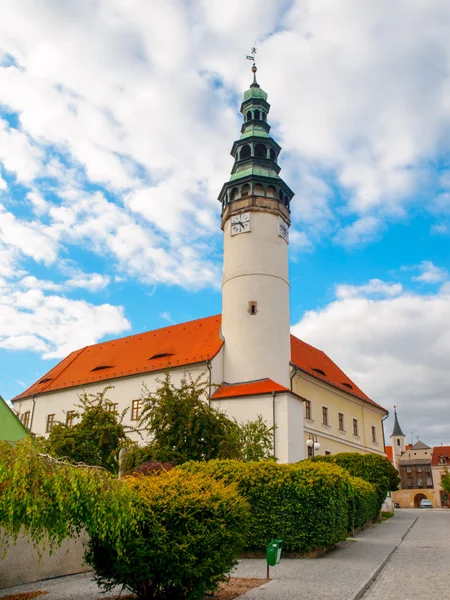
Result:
pixel 440 459
pixel 11 429
pixel 419 467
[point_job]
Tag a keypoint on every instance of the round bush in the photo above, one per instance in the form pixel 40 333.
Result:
pixel 190 529
pixel 363 504
pixel 305 504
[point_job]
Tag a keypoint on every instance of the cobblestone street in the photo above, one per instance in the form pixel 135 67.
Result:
pixel 419 569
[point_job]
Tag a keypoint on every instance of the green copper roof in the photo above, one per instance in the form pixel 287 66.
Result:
pixel 254 170
pixel 254 92
pixel 254 130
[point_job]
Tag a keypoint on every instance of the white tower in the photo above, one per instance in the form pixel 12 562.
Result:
pixel 398 440
pixel 255 221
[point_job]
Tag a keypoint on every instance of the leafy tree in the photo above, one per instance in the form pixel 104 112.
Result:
pixel 182 427
pixel 445 480
pixel 96 439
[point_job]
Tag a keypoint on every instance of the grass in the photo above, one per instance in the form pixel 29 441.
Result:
pixel 386 515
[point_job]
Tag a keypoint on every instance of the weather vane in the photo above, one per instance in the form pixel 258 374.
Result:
pixel 251 56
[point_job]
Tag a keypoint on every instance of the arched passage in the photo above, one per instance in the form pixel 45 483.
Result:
pixel 418 498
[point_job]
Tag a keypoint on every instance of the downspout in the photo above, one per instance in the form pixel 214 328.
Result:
pixel 382 433
pixel 292 376
pixel 32 415
pixel 208 365
pixel 273 423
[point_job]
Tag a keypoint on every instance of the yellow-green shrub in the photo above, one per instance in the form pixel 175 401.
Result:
pixel 363 503
pixel 190 529
pixel 305 504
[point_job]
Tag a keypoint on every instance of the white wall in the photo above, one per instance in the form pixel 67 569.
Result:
pixel 288 415
pixel 256 269
pixel 123 391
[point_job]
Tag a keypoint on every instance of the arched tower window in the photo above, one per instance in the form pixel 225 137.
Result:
pixel 259 190
pixel 245 191
pixel 260 151
pixel 263 114
pixel 249 115
pixel 233 194
pixel 245 152
pixel 271 192
pixel 272 154
pixel 280 196
pixel 257 117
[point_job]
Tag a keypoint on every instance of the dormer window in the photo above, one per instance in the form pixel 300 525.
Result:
pixel 101 368
pixel 161 355
pixel 320 372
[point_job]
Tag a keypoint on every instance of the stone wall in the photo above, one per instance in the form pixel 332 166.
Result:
pixel 21 564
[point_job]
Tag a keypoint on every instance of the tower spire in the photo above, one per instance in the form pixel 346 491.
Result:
pixel 397 430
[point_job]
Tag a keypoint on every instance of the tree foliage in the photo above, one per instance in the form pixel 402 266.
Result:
pixel 445 480
pixel 95 439
pixel 51 500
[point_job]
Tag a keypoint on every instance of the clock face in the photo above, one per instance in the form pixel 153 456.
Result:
pixel 240 223
pixel 284 230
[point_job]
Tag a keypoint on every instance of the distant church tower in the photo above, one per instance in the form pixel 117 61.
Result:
pixel 398 440
pixel 255 221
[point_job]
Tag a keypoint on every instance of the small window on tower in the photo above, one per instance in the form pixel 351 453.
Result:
pixel 252 307
pixel 398 442
pixel 257 114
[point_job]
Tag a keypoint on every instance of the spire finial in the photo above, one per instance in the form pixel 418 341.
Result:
pixel 251 56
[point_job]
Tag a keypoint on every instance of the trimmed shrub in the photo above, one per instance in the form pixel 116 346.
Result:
pixel 190 529
pixel 374 468
pixel 363 504
pixel 305 504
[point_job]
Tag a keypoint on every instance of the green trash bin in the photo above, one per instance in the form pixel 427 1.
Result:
pixel 273 554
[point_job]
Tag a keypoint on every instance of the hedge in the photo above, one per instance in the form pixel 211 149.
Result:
pixel 190 530
pixel 308 505
pixel 374 468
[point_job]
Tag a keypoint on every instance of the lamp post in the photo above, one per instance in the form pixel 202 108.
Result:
pixel 313 445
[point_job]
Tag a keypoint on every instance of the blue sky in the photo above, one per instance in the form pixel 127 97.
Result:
pixel 116 123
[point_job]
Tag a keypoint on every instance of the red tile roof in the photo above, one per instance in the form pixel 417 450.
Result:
pixel 437 451
pixel 316 363
pixel 174 346
pixel 389 453
pixel 253 388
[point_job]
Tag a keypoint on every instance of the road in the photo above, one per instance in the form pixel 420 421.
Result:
pixel 419 569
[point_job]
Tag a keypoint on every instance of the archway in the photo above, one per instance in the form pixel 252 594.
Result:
pixel 418 498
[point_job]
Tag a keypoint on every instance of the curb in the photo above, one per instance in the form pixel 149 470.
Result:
pixel 365 584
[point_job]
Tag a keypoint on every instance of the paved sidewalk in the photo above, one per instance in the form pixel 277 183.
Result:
pixel 340 575
pixel 343 574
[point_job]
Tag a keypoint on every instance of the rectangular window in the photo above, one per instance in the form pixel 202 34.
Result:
pixel 429 481
pixel 408 469
pixel 136 406
pixel 50 423
pixel 308 409
pixel 409 482
pixel 112 407
pixel 26 419
pixel 427 468
pixel 310 452
pixel 419 482
pixel 419 469
pixel 355 427
pixel 70 416
pixel 341 421
pixel 324 415
pixel 374 433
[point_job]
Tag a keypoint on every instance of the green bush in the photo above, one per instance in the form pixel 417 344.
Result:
pixel 305 504
pixel 363 503
pixel 374 468
pixel 190 529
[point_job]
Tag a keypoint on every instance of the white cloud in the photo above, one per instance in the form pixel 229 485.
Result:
pixel 430 273
pixel 396 349
pixel 166 316
pixel 374 288
pixel 362 231
pixel 53 325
